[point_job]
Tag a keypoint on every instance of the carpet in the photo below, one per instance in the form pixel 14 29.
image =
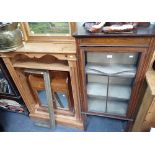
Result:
pixel 14 122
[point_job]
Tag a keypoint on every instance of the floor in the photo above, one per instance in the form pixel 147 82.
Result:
pixel 14 122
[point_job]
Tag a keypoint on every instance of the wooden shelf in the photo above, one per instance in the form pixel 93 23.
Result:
pixel 113 107
pixel 121 92
pixel 128 71
pixel 100 90
pixel 96 105
pixel 41 47
pixel 117 108
pixel 97 90
pixel 35 65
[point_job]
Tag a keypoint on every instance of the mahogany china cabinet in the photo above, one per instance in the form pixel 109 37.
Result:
pixel 111 70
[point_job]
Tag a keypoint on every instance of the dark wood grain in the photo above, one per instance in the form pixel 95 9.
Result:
pixel 139 32
pixel 142 41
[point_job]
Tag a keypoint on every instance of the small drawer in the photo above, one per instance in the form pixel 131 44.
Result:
pixel 117 41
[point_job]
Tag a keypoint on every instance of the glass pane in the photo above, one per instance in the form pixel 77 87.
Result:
pixel 61 100
pixel 119 92
pixel 97 92
pixel 110 78
pixel 42 98
pixel 37 85
pixel 119 88
pixel 49 28
pixel 121 81
pixel 96 104
pixel 112 58
pixel 4 85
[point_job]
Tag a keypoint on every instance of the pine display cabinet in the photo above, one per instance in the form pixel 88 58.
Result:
pixel 47 79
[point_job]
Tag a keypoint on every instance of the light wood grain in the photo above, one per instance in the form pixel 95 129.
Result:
pixel 150 77
pixel 143 111
pixel 75 89
pixel 60 119
pixel 42 66
pixel 146 115
pixel 20 85
pixel 39 56
pixel 48 48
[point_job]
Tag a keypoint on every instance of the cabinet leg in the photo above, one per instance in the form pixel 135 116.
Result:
pixel 85 121
pixel 129 126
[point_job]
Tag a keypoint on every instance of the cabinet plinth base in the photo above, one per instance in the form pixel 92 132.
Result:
pixel 60 119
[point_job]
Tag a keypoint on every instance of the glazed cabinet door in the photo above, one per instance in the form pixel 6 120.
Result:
pixel 110 78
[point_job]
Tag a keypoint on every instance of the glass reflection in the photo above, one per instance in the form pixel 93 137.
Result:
pixel 59 98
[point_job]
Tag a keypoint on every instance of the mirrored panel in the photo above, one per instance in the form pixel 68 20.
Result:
pixel 61 100
pixel 60 86
pixel 49 28
pixel 42 98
